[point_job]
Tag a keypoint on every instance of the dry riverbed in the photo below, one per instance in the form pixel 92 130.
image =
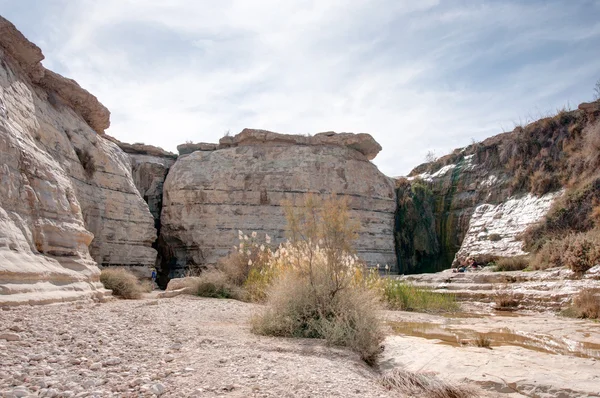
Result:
pixel 187 346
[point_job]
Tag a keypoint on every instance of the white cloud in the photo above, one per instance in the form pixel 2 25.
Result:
pixel 416 75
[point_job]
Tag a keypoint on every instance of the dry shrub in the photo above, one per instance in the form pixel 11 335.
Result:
pixel 214 283
pixel 542 182
pixel 122 283
pixel 577 251
pixel 494 237
pixel 591 147
pixel 146 286
pixel 319 290
pixel 586 304
pixel 517 263
pixel 483 341
pixel 297 309
pixel 424 385
pixel 250 255
pixel 505 299
pixel 245 274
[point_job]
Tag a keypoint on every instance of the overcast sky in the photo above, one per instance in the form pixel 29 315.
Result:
pixel 417 75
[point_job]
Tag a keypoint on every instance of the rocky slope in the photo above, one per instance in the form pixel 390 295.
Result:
pixel 213 192
pixel 68 198
pixel 478 201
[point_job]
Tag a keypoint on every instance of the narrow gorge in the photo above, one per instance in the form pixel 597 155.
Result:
pixel 75 199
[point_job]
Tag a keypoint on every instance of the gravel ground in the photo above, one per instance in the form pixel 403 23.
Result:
pixel 179 347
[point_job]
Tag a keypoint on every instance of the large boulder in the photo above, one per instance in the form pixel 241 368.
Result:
pixel 210 195
pixel 68 198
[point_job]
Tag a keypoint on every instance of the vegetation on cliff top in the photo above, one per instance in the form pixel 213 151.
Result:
pixel 558 152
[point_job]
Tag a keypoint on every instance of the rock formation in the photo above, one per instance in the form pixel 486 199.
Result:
pixel 210 195
pixel 478 201
pixel 68 198
pixel 149 167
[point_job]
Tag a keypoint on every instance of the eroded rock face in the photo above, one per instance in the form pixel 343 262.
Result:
pixel 210 195
pixel 68 198
pixel 149 174
pixel 482 198
pixel 474 213
pixel 495 230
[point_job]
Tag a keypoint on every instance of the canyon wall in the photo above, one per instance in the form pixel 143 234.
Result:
pixel 479 202
pixel 68 197
pixel 240 184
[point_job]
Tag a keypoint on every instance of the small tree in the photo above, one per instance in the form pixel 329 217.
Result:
pixel 430 157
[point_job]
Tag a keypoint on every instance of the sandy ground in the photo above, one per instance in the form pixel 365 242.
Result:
pixel 179 347
pixel 187 346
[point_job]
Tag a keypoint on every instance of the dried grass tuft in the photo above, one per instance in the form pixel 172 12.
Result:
pixel 424 385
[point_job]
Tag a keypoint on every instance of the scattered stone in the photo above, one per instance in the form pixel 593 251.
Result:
pixel 111 361
pixel 10 336
pixel 158 389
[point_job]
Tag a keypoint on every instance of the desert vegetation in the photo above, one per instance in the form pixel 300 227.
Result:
pixel 482 341
pixel 123 283
pixel 586 304
pixel 517 263
pixel 578 251
pixel 406 297
pixel 320 289
pixel 505 299
pixel 416 384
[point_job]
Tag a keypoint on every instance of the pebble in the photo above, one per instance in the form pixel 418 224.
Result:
pixel 20 391
pixel 169 358
pixel 96 366
pixel 112 361
pixel 158 389
pixel 10 336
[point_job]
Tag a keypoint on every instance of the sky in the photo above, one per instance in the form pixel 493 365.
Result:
pixel 419 76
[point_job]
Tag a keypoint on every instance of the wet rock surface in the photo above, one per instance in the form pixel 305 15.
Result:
pixel 530 355
pixel 547 290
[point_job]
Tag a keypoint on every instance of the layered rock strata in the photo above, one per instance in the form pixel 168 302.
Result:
pixel 210 195
pixel 484 200
pixel 68 198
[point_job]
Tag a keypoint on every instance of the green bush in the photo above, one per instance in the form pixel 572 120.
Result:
pixel 406 297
